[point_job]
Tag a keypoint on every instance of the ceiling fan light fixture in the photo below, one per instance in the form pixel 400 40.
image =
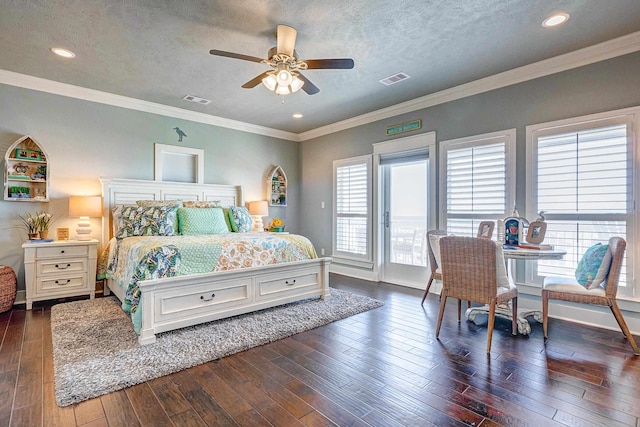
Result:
pixel 283 90
pixel 270 82
pixel 296 84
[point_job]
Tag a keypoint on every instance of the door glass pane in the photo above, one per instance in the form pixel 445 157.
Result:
pixel 408 213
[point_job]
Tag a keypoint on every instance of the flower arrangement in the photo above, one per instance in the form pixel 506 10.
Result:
pixel 30 222
pixel 44 220
pixel 277 225
pixel 36 223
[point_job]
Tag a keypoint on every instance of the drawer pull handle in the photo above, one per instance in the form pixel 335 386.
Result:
pixel 59 282
pixel 62 251
pixel 288 283
pixel 207 299
pixel 62 267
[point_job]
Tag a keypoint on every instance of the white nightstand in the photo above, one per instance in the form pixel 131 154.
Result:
pixel 59 269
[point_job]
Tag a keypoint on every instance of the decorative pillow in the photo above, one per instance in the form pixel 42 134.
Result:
pixel 502 278
pixel 232 222
pixel 242 217
pixel 116 213
pixel 603 272
pixel 147 221
pixel 589 265
pixel 434 241
pixel 201 204
pixel 201 221
pixel 227 212
pixel 158 203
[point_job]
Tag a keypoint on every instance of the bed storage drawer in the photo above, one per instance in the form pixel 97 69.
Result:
pixel 194 300
pixel 278 285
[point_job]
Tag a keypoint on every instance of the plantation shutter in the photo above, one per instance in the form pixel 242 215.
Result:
pixel 352 207
pixel 476 186
pixel 584 187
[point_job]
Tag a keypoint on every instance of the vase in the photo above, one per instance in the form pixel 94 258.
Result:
pixel 43 234
pixel 32 236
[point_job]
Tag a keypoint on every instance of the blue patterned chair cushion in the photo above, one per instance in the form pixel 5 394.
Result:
pixel 589 272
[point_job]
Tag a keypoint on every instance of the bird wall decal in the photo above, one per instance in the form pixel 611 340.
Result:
pixel 180 133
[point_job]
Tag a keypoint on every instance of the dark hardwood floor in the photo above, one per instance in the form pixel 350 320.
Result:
pixel 380 368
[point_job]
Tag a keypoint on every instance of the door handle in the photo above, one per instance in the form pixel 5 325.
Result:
pixel 387 222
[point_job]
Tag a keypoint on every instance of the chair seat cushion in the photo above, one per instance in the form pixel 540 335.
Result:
pixel 570 285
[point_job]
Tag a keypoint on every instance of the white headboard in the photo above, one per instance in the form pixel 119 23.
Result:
pixel 116 191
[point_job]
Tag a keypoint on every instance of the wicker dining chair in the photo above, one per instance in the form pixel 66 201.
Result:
pixel 436 274
pixel 471 270
pixel 568 289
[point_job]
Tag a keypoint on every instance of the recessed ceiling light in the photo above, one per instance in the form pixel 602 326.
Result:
pixel 297 115
pixel 65 53
pixel 556 19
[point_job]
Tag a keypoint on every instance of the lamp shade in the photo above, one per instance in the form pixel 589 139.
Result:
pixel 90 206
pixel 259 208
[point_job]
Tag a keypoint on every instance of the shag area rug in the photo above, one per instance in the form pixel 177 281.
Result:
pixel 96 351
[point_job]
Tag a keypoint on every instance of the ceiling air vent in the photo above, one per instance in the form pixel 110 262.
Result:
pixel 196 99
pixel 398 77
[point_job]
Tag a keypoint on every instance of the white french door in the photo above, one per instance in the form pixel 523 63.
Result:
pixel 405 184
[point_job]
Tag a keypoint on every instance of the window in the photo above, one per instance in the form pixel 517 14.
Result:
pixel 477 180
pixel 580 175
pixel 352 208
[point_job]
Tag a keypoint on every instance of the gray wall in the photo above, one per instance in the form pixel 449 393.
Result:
pixel 599 87
pixel 86 140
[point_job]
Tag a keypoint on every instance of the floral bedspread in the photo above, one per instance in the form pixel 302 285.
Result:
pixel 128 261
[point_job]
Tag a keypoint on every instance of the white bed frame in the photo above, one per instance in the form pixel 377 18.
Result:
pixel 176 302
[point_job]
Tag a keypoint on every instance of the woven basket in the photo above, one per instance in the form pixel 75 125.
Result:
pixel 8 288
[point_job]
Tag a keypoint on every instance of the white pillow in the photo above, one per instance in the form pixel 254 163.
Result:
pixel 502 279
pixel 603 271
pixel 434 241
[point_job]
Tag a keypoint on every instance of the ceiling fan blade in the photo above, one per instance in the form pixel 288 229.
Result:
pixel 336 64
pixel 308 87
pixel 235 55
pixel 286 38
pixel 254 81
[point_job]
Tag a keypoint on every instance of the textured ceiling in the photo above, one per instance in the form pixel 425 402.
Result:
pixel 158 50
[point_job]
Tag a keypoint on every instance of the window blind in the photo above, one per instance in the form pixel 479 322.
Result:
pixel 584 186
pixel 352 208
pixel 476 187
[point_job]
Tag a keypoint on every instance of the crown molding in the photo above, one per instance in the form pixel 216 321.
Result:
pixel 77 92
pixel 589 55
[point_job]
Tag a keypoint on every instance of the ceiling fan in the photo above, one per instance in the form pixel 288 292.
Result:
pixel 284 75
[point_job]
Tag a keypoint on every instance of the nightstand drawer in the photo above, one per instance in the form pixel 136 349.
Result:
pixel 62 251
pixel 69 283
pixel 61 266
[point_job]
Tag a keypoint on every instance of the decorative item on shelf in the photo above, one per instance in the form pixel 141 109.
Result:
pixel 258 209
pixel 277 226
pixel 22 153
pixel 19 192
pixel 62 233
pixel 31 225
pixel 44 221
pixel 85 207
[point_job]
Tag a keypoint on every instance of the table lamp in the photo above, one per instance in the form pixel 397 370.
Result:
pixel 258 209
pixel 85 207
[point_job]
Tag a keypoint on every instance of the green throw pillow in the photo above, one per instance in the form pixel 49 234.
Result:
pixel 202 221
pixel 232 222
pixel 590 264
